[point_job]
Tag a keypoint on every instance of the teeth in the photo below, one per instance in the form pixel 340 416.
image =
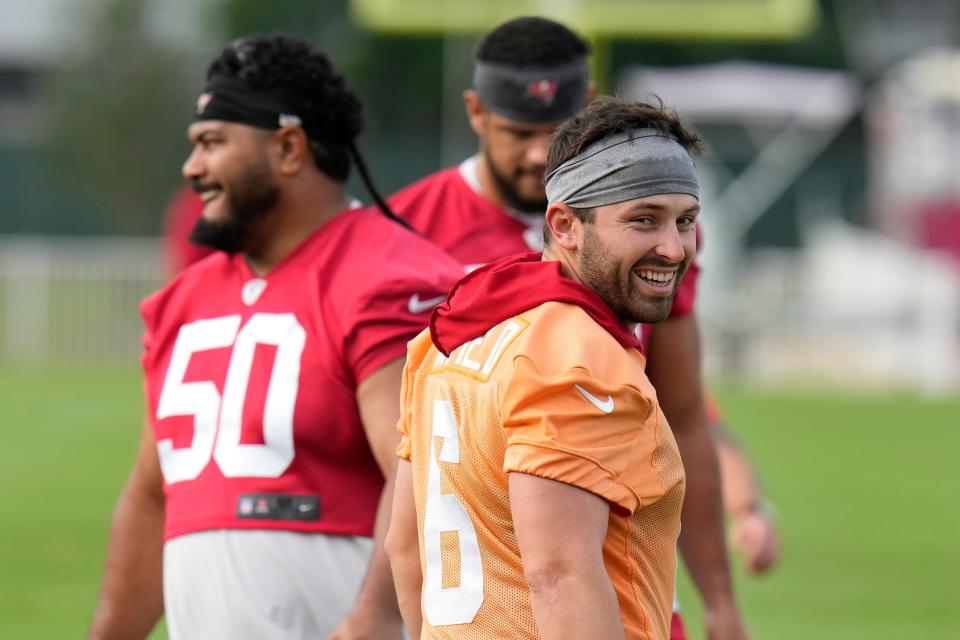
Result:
pixel 210 195
pixel 657 276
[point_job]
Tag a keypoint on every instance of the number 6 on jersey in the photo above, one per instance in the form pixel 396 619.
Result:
pixel 445 513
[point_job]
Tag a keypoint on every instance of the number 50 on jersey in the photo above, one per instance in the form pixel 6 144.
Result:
pixel 218 420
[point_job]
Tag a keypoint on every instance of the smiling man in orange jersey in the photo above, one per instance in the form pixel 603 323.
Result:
pixel 531 74
pixel 539 480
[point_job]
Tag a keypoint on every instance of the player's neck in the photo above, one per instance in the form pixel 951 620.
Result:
pixel 299 213
pixel 568 263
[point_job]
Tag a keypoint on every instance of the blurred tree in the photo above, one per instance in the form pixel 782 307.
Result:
pixel 119 113
pixel 381 69
pixel 120 108
pixel 397 78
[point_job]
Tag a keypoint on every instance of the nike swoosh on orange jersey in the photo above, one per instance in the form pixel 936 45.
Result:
pixel 604 405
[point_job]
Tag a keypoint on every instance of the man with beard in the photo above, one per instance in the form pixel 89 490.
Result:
pixel 539 475
pixel 272 371
pixel 530 74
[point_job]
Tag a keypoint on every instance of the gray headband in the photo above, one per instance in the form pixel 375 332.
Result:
pixel 533 93
pixel 626 166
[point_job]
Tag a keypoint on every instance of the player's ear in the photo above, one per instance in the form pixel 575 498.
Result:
pixel 476 112
pixel 291 149
pixel 564 226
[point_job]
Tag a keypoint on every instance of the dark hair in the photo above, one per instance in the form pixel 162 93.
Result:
pixel 607 116
pixel 305 80
pixel 531 40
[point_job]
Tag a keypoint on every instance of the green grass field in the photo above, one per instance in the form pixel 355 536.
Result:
pixel 866 487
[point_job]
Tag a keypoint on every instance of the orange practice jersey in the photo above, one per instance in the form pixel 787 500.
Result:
pixel 549 393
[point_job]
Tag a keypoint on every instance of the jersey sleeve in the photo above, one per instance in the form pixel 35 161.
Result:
pixel 416 202
pixel 403 203
pixel 578 429
pixel 685 298
pixel 392 314
pixel 684 301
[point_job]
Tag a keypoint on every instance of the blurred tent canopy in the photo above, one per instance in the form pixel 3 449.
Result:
pixel 790 115
pixel 661 19
pixel 757 91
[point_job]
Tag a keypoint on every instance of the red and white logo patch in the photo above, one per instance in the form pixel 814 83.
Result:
pixel 203 101
pixel 544 90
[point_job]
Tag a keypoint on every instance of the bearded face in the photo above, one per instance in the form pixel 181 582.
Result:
pixel 230 170
pixel 634 254
pixel 516 155
pixel 245 200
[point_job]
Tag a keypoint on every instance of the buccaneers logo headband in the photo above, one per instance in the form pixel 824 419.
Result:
pixel 533 93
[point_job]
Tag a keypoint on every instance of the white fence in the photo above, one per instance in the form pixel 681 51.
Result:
pixel 74 299
pixel 854 312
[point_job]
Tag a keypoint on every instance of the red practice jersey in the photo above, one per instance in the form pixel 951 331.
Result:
pixel 450 211
pixel 251 381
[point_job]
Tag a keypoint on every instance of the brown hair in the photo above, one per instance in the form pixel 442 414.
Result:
pixel 607 116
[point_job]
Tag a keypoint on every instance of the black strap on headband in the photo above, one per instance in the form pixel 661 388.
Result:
pixel 233 100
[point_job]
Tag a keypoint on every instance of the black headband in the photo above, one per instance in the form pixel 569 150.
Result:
pixel 533 93
pixel 232 100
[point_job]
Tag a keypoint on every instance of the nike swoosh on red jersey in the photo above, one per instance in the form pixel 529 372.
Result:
pixel 416 305
pixel 604 405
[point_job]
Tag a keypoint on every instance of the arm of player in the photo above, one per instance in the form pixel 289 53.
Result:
pixel 375 613
pixel 131 596
pixel 570 591
pixel 673 367
pixel 403 548
pixel 753 530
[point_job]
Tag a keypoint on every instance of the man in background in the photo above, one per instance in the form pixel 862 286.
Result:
pixel 180 217
pixel 753 530
pixel 257 504
pixel 531 74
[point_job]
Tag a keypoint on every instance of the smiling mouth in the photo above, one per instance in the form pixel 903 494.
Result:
pixel 210 194
pixel 659 279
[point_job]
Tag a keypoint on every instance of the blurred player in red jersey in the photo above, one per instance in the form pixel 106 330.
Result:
pixel 532 436
pixel 753 530
pixel 180 217
pixel 272 373
pixel 530 75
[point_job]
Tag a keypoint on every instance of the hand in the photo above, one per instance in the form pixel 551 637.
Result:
pixel 755 536
pixel 724 623
pixel 369 627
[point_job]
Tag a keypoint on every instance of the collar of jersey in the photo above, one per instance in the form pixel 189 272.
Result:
pixel 503 289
